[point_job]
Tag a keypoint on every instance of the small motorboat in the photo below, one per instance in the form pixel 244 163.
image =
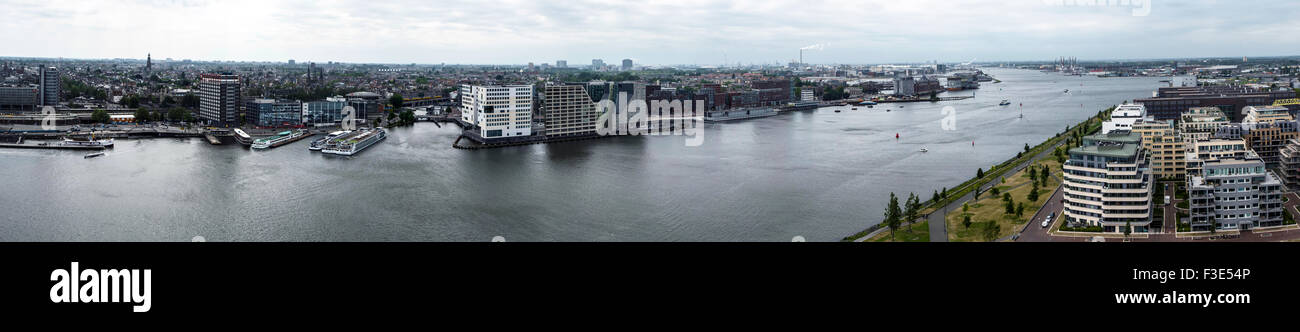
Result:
pixel 855 108
pixel 925 150
pixel 1004 103
pixel 1067 91
pixel 92 155
pixel 887 110
pixel 837 111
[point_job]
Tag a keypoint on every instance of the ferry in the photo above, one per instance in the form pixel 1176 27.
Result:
pixel 88 142
pixel 319 144
pixel 282 138
pixel 354 142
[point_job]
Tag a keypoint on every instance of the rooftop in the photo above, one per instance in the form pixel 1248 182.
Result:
pixel 1112 150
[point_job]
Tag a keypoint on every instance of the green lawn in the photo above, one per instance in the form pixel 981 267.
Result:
pixel 920 233
pixel 990 208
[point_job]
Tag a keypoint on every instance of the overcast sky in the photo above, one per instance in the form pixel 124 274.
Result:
pixel 651 32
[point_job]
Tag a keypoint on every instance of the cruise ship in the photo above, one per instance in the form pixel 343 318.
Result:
pixel 738 114
pixel 284 137
pixel 354 142
pixel 319 144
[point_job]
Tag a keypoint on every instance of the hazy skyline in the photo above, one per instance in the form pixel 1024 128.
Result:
pixel 650 32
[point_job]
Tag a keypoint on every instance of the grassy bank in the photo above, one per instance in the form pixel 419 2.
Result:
pixel 989 219
pixel 920 232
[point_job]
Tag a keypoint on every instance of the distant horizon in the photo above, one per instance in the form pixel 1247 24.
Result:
pixel 613 62
pixel 655 32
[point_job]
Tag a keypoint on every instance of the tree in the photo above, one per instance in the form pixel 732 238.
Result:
pixel 965 221
pixel 408 117
pixel 396 101
pixel 100 116
pixel 1044 174
pixel 893 215
pixel 1011 207
pixel 1033 176
pixel 994 191
pixel 944 193
pixel 979 174
pixel 935 199
pixel 1026 147
pixel 911 209
pixel 1020 209
pixel 965 207
pixel 1033 193
pixel 176 114
pixel 991 231
pixel 141 115
pixel 1006 197
pixel 1128 228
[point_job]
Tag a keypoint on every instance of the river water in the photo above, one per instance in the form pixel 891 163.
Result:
pixel 817 174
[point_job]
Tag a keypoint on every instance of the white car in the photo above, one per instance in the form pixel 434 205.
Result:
pixel 1047 221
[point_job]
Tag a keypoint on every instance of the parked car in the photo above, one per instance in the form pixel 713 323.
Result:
pixel 1046 222
pixel 1167 200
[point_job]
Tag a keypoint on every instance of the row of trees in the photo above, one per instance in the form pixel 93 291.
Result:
pixel 895 216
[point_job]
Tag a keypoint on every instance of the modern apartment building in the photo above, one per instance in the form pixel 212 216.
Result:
pixel 1166 150
pixel 50 83
pixel 219 99
pixel 1123 117
pixel 1210 149
pixel 1200 123
pixel 568 110
pixel 1266 138
pixel 498 112
pixel 1107 183
pixel 273 113
pixel 1262 114
pixel 1236 192
pixel 1289 163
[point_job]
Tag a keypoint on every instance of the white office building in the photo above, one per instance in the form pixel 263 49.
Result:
pixel 498 111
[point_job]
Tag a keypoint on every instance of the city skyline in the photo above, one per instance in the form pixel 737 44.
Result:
pixel 650 33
